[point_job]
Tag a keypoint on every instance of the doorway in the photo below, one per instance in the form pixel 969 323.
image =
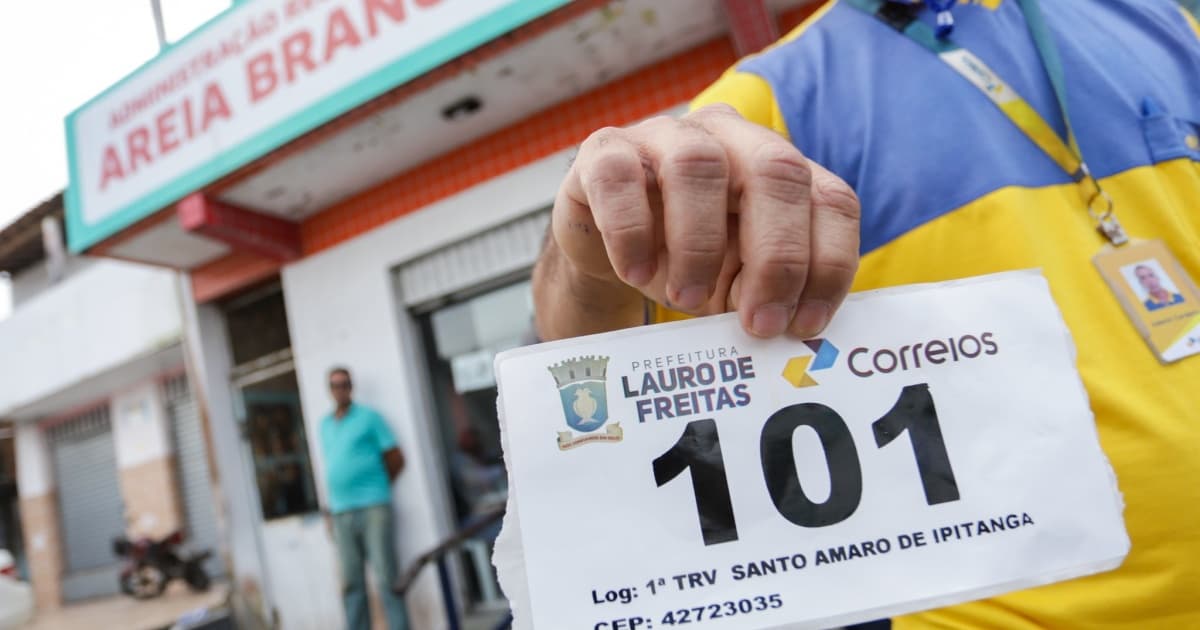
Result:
pixel 461 339
pixel 267 400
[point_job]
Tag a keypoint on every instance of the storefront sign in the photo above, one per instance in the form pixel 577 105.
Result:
pixel 255 77
pixel 935 446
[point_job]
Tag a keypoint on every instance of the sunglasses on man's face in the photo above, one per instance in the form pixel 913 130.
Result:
pixel 339 385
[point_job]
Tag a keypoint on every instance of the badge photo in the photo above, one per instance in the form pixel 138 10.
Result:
pixel 1152 285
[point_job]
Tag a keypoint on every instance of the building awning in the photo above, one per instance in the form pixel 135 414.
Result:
pixel 21 242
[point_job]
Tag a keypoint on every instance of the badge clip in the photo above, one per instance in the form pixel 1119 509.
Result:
pixel 1106 220
pixel 1111 228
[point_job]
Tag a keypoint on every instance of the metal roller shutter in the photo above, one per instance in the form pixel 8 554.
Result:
pixel 89 502
pixel 500 252
pixel 191 461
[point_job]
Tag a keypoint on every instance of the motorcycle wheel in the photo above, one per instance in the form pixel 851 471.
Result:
pixel 145 582
pixel 196 577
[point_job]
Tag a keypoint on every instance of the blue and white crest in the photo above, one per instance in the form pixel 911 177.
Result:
pixel 581 387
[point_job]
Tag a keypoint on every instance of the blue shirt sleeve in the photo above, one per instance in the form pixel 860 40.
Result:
pixel 384 438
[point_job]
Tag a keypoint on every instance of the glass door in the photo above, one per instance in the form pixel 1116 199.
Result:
pixel 461 340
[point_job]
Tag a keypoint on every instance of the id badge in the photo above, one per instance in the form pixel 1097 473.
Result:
pixel 1157 294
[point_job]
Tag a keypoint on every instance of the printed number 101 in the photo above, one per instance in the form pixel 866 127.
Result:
pixel 699 451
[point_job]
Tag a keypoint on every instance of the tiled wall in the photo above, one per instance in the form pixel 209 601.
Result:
pixel 151 495
pixel 39 522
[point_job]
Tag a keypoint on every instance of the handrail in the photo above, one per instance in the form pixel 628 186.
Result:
pixel 406 580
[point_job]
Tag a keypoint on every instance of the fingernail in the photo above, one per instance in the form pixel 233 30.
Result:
pixel 811 318
pixel 692 297
pixel 639 275
pixel 770 320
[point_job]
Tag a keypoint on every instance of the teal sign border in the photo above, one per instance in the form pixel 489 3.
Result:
pixel 81 235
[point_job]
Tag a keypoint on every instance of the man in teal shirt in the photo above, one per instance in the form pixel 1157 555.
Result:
pixel 361 462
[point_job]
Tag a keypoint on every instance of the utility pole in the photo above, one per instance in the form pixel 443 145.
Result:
pixel 156 7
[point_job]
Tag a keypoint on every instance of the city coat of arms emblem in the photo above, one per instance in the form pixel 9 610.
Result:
pixel 582 391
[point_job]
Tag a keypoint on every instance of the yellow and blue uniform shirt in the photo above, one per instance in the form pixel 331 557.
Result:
pixel 951 188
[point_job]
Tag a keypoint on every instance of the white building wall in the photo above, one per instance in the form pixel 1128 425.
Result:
pixel 105 315
pixel 35 279
pixel 35 476
pixel 208 348
pixel 305 588
pixel 5 297
pixel 343 309
pixel 140 429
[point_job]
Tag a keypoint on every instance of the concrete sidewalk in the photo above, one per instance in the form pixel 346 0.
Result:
pixel 128 613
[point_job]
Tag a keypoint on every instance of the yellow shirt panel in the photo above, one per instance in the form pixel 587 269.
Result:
pixel 1147 414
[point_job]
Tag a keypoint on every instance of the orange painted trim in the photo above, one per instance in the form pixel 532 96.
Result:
pixel 639 95
pixel 234 272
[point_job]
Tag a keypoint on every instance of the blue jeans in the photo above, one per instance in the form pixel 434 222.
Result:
pixel 367 536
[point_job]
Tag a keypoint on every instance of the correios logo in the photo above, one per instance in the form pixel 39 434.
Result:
pixel 866 362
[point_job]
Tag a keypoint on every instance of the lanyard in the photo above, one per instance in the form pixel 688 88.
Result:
pixel 1066 154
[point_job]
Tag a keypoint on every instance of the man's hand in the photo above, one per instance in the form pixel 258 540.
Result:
pixel 705 214
pixel 393 460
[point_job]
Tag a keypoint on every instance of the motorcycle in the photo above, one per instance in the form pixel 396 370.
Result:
pixel 152 564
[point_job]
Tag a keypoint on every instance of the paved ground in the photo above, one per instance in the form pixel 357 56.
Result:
pixel 126 612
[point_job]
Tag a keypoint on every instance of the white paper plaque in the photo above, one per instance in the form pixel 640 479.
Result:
pixel 934 446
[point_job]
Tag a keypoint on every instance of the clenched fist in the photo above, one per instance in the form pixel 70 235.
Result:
pixel 704 214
